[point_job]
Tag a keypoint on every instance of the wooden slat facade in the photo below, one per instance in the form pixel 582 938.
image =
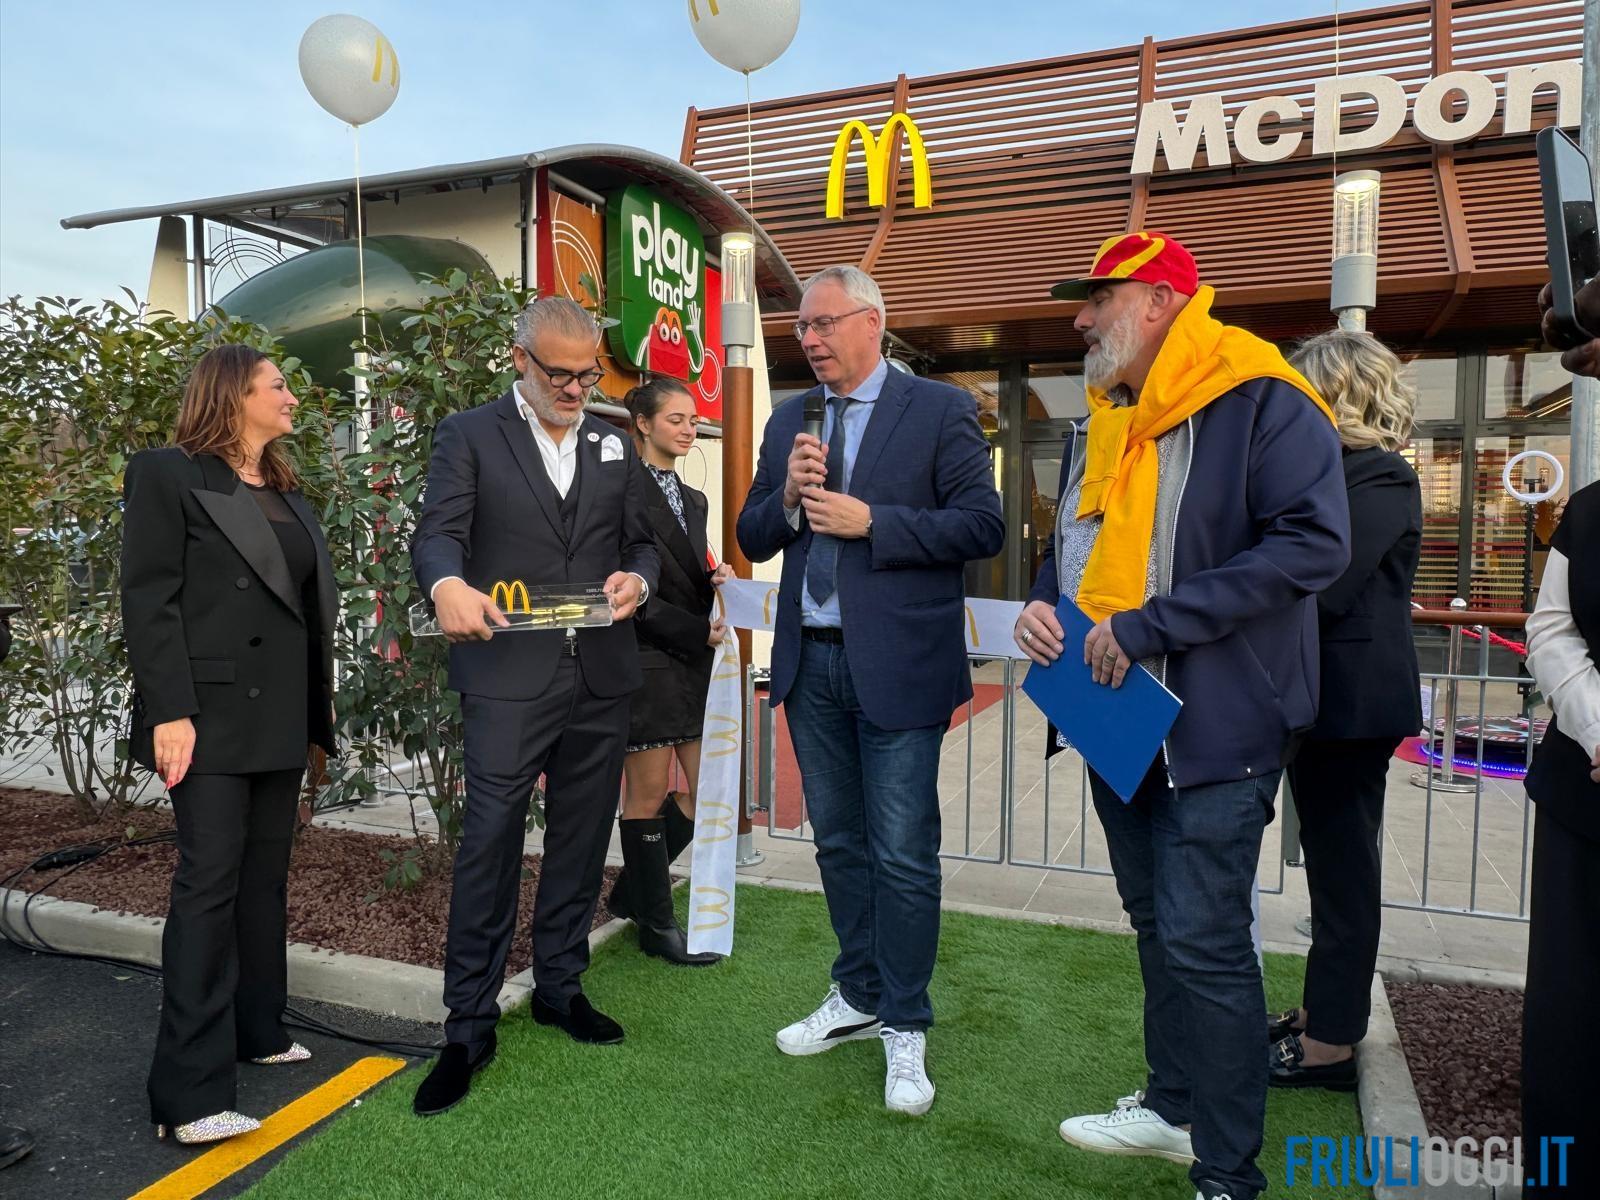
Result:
pixel 1030 165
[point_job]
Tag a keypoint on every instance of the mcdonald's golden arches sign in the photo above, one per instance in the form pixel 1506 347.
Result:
pixel 876 152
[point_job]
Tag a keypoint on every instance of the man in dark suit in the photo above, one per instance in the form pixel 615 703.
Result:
pixel 876 520
pixel 528 488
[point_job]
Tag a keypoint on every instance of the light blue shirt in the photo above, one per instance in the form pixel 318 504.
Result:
pixel 856 416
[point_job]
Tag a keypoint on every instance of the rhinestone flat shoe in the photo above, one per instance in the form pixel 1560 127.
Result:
pixel 295 1053
pixel 218 1127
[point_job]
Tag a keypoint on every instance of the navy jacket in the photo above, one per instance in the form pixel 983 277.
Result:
pixel 924 469
pixel 1260 526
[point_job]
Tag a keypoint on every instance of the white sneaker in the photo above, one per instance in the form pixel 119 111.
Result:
pixel 1129 1128
pixel 834 1022
pixel 906 1086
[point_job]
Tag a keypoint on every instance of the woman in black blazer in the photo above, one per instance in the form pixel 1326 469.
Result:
pixel 1371 701
pixel 677 640
pixel 228 607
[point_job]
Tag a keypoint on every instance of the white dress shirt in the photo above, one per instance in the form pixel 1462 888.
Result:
pixel 560 458
pixel 1558 659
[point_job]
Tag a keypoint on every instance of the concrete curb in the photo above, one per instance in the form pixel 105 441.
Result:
pixel 374 984
pixel 1405 970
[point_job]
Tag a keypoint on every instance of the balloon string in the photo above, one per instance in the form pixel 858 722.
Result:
pixel 361 261
pixel 749 154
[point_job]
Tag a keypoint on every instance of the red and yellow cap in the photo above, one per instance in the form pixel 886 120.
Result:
pixel 1147 257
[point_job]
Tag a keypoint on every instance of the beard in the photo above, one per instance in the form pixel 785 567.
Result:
pixel 543 402
pixel 1112 353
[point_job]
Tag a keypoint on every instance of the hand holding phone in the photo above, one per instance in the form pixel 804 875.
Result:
pixel 1572 241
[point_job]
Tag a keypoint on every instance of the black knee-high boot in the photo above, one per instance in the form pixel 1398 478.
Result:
pixel 644 850
pixel 680 832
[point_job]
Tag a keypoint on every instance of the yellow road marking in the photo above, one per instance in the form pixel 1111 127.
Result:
pixel 237 1153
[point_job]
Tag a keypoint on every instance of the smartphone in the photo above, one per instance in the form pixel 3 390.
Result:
pixel 1572 236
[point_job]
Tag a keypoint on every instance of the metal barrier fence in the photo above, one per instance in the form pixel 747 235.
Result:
pixel 1462 850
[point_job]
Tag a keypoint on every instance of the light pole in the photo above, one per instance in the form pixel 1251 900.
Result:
pixel 738 339
pixel 1355 247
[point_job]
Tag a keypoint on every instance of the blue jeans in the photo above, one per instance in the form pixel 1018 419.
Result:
pixel 873 798
pixel 1185 860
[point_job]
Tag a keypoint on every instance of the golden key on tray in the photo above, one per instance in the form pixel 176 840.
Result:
pixel 543 607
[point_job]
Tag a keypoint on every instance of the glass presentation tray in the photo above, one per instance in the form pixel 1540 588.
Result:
pixel 544 607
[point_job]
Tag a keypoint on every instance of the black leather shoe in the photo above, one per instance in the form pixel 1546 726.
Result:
pixel 582 1022
pixel 1281 1025
pixel 451 1078
pixel 14 1144
pixel 1284 1069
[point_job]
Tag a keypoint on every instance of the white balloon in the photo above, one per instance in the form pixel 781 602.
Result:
pixel 349 68
pixel 744 34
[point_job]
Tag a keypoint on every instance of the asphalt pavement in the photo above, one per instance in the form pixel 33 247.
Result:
pixel 75 1045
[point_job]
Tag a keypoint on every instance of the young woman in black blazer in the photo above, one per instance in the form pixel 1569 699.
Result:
pixel 228 607
pixel 677 637
pixel 1370 702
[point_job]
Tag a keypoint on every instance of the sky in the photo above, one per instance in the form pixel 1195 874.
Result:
pixel 115 105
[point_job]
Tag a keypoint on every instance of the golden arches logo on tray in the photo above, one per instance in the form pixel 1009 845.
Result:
pixel 511 597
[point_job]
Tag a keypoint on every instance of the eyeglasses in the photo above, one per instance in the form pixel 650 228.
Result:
pixel 825 325
pixel 560 379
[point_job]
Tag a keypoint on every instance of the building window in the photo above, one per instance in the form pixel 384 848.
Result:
pixel 1056 393
pixel 1510 540
pixel 1526 386
pixel 1437 462
pixel 1434 379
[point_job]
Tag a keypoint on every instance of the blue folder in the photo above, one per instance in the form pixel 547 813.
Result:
pixel 1118 731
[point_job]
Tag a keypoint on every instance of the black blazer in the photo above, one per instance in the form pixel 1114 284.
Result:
pixel 215 629
pixel 1370 685
pixel 491 513
pixel 672 628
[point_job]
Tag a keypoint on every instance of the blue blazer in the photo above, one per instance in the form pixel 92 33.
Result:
pixel 923 468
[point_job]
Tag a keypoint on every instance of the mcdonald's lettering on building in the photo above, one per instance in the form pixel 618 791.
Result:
pixel 879 163
pixel 1229 140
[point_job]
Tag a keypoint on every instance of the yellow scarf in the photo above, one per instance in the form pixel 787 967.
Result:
pixel 1201 360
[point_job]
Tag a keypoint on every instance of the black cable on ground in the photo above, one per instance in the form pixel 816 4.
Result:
pixel 74 858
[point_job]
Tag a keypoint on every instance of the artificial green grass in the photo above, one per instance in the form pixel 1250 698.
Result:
pixel 1034 1023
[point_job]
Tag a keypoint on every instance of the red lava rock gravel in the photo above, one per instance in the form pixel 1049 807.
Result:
pixel 331 874
pixel 1464 1047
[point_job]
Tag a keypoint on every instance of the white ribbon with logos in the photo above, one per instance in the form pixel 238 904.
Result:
pixel 753 604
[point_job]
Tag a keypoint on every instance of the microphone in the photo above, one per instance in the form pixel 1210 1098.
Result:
pixel 815 407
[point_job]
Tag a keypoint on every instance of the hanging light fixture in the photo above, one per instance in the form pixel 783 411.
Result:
pixel 1355 246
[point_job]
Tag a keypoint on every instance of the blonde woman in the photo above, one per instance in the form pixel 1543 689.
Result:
pixel 1370 703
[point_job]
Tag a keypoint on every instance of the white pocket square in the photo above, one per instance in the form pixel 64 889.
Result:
pixel 611 448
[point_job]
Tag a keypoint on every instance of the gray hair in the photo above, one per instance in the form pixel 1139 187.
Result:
pixel 555 314
pixel 1363 382
pixel 857 284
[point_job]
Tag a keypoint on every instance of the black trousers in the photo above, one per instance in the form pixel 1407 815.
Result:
pixel 575 740
pixel 1338 791
pixel 1560 1056
pixel 223 953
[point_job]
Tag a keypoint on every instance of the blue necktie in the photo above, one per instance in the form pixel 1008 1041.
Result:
pixel 822 561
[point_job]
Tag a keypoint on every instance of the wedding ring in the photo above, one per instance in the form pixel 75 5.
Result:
pixel 1027 635
pixel 1109 656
